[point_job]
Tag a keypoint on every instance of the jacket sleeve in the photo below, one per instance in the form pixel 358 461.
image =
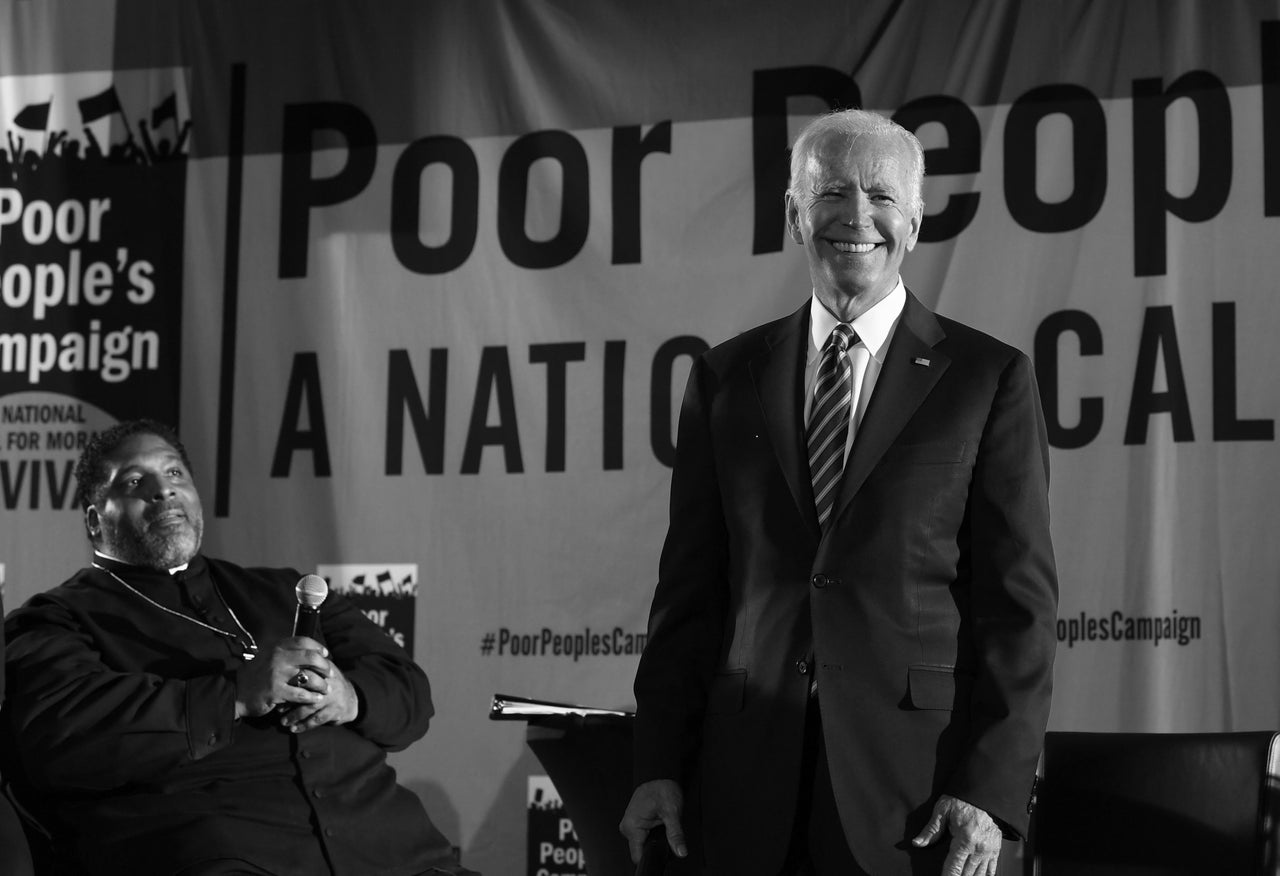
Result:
pixel 92 728
pixel 395 696
pixel 689 603
pixel 1013 603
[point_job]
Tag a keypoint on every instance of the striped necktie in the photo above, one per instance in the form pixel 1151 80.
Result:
pixel 828 426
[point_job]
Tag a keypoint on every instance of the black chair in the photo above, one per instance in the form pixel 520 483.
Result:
pixel 27 848
pixel 1157 804
pixel 15 848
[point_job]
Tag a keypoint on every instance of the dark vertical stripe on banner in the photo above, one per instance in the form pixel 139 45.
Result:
pixel 230 292
pixel 1271 118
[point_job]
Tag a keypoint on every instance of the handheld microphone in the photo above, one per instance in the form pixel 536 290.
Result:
pixel 311 592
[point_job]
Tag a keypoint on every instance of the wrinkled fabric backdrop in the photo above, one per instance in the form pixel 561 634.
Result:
pixel 420 284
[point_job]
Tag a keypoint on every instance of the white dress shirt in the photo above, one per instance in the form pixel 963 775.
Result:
pixel 875 329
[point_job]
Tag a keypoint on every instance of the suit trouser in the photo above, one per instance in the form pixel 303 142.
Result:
pixel 818 846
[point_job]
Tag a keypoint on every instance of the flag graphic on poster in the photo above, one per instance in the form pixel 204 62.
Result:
pixel 33 117
pixel 164 111
pixel 100 105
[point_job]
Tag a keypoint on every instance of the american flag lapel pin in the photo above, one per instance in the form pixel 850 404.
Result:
pixel 920 360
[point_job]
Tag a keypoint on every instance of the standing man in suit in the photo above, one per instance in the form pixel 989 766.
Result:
pixel 851 643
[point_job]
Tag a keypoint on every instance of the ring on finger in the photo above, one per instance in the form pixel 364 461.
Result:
pixel 300 679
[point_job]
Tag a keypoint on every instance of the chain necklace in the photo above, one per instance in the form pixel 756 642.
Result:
pixel 249 652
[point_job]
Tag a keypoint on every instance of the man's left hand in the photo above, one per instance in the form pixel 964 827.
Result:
pixel 338 703
pixel 975 837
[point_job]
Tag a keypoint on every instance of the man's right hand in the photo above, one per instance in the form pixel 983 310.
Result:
pixel 295 670
pixel 653 803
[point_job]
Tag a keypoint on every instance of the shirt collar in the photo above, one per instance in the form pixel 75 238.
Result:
pixel 874 327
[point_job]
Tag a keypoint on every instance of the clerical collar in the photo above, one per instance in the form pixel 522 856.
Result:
pixel 122 564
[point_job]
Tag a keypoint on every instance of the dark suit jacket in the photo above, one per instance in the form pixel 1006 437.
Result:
pixel 926 610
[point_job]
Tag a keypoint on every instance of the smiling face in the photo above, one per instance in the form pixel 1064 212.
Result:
pixel 149 514
pixel 855 212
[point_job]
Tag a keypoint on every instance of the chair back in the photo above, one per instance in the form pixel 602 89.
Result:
pixel 1157 804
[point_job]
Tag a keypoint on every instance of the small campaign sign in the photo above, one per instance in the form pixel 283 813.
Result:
pixel 386 592
pixel 553 846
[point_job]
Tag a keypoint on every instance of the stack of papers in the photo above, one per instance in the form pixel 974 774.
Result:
pixel 508 708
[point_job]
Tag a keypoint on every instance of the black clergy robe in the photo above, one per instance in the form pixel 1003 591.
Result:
pixel 124 720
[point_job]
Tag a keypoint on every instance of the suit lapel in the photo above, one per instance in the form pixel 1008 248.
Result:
pixel 911 369
pixel 778 375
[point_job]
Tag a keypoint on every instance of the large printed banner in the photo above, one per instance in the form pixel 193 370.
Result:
pixel 421 289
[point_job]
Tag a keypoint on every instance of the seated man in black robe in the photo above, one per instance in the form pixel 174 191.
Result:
pixel 169 721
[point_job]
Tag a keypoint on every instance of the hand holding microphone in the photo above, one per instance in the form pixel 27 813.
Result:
pixel 296 677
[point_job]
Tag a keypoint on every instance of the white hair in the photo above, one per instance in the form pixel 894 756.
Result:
pixel 853 123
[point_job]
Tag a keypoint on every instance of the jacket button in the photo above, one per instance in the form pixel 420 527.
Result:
pixel 802 666
pixel 820 581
